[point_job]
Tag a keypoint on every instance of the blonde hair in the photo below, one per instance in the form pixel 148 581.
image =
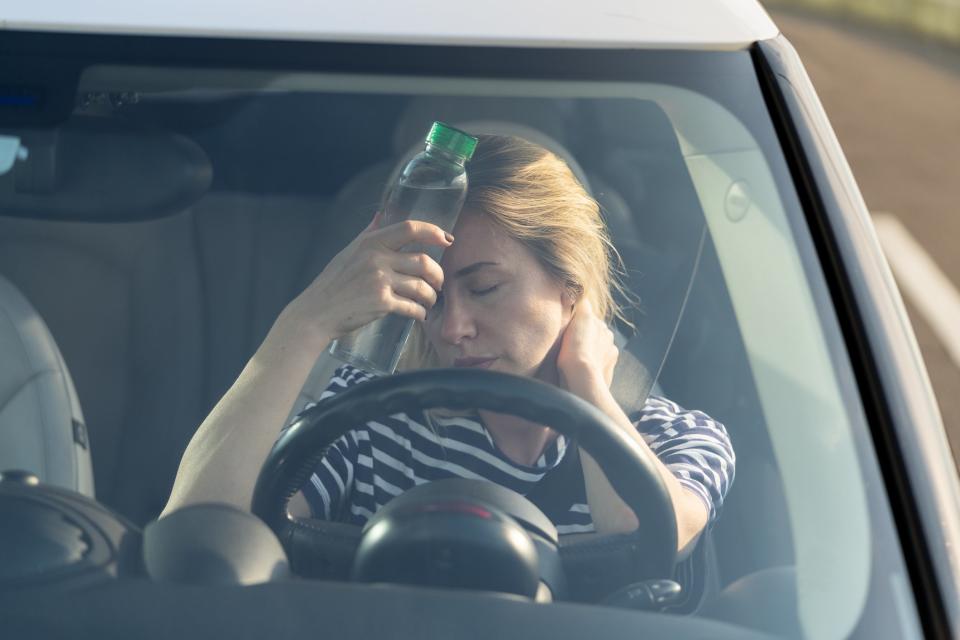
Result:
pixel 537 200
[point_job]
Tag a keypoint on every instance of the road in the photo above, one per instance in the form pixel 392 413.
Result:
pixel 894 102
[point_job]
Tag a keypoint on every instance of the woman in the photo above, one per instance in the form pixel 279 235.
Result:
pixel 524 287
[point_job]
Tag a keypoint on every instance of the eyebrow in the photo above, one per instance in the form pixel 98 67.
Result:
pixel 474 267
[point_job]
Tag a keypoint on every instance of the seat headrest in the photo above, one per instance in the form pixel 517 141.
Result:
pixel 104 169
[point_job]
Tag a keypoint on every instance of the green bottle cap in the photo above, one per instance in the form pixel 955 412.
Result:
pixel 452 140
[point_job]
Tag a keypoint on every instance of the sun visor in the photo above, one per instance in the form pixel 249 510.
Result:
pixel 99 169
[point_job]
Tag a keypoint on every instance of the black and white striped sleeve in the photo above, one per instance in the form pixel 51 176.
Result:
pixel 695 447
pixel 329 486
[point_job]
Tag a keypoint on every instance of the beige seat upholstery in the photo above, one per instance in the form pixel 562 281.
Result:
pixel 41 424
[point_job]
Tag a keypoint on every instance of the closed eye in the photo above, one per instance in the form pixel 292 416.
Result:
pixel 483 292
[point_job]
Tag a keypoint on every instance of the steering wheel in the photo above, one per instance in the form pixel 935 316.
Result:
pixel 609 561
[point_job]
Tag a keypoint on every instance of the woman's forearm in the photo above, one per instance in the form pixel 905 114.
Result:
pixel 369 278
pixel 225 454
pixel 610 513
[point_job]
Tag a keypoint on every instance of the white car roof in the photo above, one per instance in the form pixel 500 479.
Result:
pixel 697 24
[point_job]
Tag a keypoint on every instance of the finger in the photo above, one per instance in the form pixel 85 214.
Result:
pixel 420 265
pixel 395 236
pixel 407 307
pixel 580 317
pixel 416 289
pixel 585 306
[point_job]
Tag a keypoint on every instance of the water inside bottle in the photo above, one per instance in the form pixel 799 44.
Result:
pixel 440 206
pixel 381 342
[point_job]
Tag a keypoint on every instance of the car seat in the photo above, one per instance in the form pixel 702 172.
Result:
pixel 41 425
pixel 642 354
pixel 92 232
pixel 359 198
pixel 673 254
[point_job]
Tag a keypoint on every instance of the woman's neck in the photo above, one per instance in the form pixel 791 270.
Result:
pixel 523 441
pixel 520 440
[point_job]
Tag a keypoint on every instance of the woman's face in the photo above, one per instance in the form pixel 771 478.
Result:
pixel 499 309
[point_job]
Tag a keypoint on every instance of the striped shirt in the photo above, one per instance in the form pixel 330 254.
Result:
pixel 370 465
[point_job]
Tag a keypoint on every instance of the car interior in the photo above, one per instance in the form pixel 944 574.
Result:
pixel 148 243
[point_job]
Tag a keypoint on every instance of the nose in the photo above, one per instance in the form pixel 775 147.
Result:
pixel 457 322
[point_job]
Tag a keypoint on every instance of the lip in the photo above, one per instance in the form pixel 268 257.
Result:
pixel 474 363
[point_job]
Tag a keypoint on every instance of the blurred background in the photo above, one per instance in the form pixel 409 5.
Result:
pixel 888 74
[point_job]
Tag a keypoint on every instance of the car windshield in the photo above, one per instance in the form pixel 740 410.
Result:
pixel 162 228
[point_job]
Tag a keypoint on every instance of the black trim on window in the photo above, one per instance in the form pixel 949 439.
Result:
pixel 42 59
pixel 351 57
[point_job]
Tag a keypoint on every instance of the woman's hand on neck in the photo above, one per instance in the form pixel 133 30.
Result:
pixel 587 354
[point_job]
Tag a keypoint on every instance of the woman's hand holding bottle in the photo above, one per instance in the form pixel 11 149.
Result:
pixel 368 279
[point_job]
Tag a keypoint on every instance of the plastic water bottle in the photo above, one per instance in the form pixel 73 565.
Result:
pixel 431 187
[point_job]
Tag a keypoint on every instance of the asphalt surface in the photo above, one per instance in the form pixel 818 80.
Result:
pixel 894 102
